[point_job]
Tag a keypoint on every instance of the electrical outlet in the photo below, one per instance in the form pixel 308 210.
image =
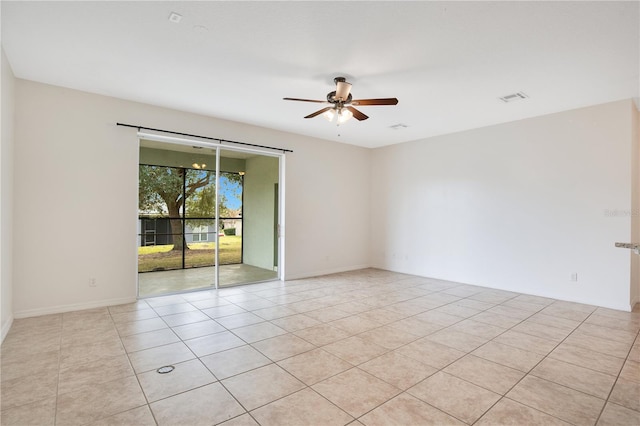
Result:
pixel 574 277
pixel 92 282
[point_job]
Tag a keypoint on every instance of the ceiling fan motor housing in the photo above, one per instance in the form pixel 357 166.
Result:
pixel 332 98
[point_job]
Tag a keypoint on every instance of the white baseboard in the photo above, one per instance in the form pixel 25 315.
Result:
pixel 301 275
pixel 615 306
pixel 633 303
pixel 69 308
pixel 6 327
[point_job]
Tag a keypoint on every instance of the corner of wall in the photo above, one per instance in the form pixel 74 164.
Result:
pixel 634 287
pixel 7 107
pixel 6 326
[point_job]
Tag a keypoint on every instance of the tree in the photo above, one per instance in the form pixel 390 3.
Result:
pixel 202 205
pixel 161 191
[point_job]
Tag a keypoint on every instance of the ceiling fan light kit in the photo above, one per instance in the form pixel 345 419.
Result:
pixel 343 115
pixel 342 102
pixel 329 115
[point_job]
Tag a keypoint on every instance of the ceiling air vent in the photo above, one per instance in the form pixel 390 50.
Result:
pixel 175 17
pixel 513 97
pixel 398 126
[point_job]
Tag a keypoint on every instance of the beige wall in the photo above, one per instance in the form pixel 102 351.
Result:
pixel 327 203
pixel 170 158
pixel 519 206
pixel 258 215
pixel 76 172
pixel 6 196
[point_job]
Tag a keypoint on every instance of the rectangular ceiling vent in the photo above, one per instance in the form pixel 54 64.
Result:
pixel 175 17
pixel 398 126
pixel 513 97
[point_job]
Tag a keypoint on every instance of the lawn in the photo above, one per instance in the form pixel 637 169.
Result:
pixel 159 258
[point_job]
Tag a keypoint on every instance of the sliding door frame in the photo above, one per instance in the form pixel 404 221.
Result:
pixel 218 147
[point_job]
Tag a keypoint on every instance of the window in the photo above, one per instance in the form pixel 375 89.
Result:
pixel 200 233
pixel 176 212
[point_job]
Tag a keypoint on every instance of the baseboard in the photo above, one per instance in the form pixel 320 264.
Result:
pixel 311 274
pixel 6 327
pixel 73 307
pixel 635 301
pixel 618 307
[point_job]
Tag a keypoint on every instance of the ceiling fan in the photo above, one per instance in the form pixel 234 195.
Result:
pixel 342 103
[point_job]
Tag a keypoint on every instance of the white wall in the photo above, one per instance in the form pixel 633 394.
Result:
pixel 518 206
pixel 258 214
pixel 6 197
pixel 76 170
pixel 327 209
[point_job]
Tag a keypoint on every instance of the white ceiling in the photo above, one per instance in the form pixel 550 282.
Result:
pixel 447 62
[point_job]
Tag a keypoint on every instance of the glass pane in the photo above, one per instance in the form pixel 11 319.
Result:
pixel 160 232
pixel 156 249
pixel 160 191
pixel 248 216
pixel 200 234
pixel 200 187
pixel 201 243
pixel 230 208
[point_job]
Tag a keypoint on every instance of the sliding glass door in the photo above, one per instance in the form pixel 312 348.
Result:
pixel 254 225
pixel 186 239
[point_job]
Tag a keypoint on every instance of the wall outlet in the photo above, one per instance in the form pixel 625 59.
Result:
pixel 574 277
pixel 92 282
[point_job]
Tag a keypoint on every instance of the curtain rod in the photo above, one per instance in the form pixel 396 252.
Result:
pixel 202 137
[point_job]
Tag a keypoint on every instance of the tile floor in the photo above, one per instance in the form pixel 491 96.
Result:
pixel 366 347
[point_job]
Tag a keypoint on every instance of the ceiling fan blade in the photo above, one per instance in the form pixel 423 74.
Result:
pixel 358 115
pixel 305 100
pixel 318 112
pixel 381 101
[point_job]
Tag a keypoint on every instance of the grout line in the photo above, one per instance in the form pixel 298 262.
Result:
pixel 533 368
pixel 615 382
pixel 134 375
pixel 55 412
pixel 359 291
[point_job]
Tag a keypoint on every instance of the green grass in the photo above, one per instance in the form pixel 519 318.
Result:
pixel 157 258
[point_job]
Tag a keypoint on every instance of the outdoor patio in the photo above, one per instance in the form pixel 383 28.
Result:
pixel 164 282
